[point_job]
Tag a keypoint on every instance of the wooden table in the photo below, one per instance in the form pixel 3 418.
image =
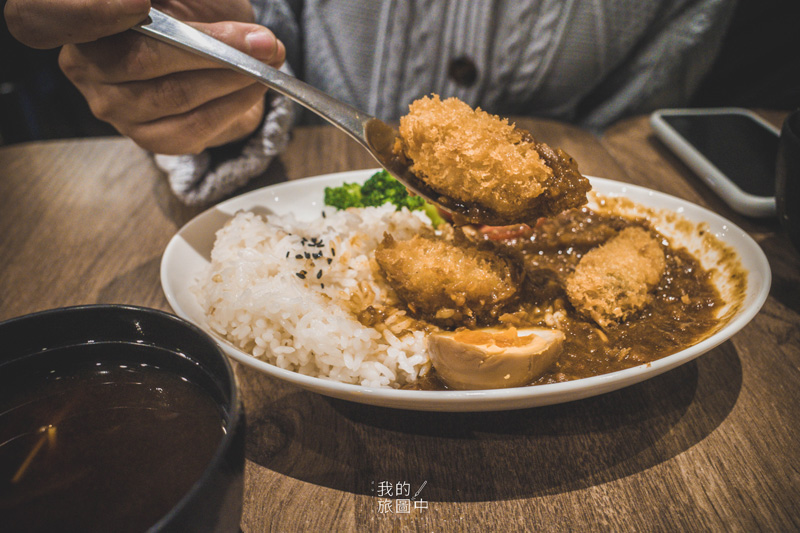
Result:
pixel 712 445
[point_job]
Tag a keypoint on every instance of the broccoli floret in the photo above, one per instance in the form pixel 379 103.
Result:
pixel 348 195
pixel 414 202
pixel 382 188
pixel 376 191
pixel 433 214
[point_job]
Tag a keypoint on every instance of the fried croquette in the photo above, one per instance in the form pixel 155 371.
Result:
pixel 614 280
pixel 446 283
pixel 483 161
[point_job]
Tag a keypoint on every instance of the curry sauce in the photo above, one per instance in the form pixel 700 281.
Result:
pixel 681 312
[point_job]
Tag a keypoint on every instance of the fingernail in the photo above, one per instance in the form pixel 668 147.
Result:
pixel 260 43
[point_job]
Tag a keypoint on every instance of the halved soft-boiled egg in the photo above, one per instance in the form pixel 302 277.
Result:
pixel 493 358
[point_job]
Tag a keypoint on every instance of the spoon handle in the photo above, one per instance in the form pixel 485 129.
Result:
pixel 168 29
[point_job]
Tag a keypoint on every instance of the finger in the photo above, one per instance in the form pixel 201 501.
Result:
pixel 243 125
pixel 218 121
pixel 173 94
pixel 131 57
pixel 50 23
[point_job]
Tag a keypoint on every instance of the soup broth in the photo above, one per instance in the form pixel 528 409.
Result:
pixel 101 446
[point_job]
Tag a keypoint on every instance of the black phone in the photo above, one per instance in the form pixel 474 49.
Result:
pixel 733 150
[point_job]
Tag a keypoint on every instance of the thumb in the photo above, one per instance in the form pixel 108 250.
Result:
pixel 52 23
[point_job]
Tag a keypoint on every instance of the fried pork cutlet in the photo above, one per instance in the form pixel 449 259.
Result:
pixel 446 283
pixel 496 170
pixel 614 280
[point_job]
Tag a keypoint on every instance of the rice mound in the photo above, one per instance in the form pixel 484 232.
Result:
pixel 284 291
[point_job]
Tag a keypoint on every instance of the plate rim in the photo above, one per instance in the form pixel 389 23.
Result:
pixel 478 400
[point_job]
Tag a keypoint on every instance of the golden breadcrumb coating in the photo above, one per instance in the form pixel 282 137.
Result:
pixel 614 280
pixel 446 283
pixel 481 159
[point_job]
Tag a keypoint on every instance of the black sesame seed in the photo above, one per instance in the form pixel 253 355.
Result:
pixel 287 254
pixel 330 260
pixel 333 252
pixel 308 255
pixel 324 215
pixel 319 274
pixel 300 275
pixel 322 285
pixel 298 256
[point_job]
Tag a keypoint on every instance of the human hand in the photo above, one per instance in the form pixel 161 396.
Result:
pixel 167 100
pixel 52 23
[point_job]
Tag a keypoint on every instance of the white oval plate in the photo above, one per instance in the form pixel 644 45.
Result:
pixel 188 253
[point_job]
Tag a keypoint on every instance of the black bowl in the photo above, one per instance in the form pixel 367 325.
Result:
pixel 78 336
pixel 787 179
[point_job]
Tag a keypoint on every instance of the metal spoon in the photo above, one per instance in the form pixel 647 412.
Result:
pixel 373 134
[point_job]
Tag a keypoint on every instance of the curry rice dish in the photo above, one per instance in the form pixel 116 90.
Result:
pixel 355 296
pixel 368 295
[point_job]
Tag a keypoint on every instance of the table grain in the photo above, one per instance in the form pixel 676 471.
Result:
pixel 711 445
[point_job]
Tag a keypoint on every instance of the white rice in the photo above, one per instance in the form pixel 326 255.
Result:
pixel 252 294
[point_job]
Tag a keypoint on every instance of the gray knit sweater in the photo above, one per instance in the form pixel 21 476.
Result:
pixel 589 62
